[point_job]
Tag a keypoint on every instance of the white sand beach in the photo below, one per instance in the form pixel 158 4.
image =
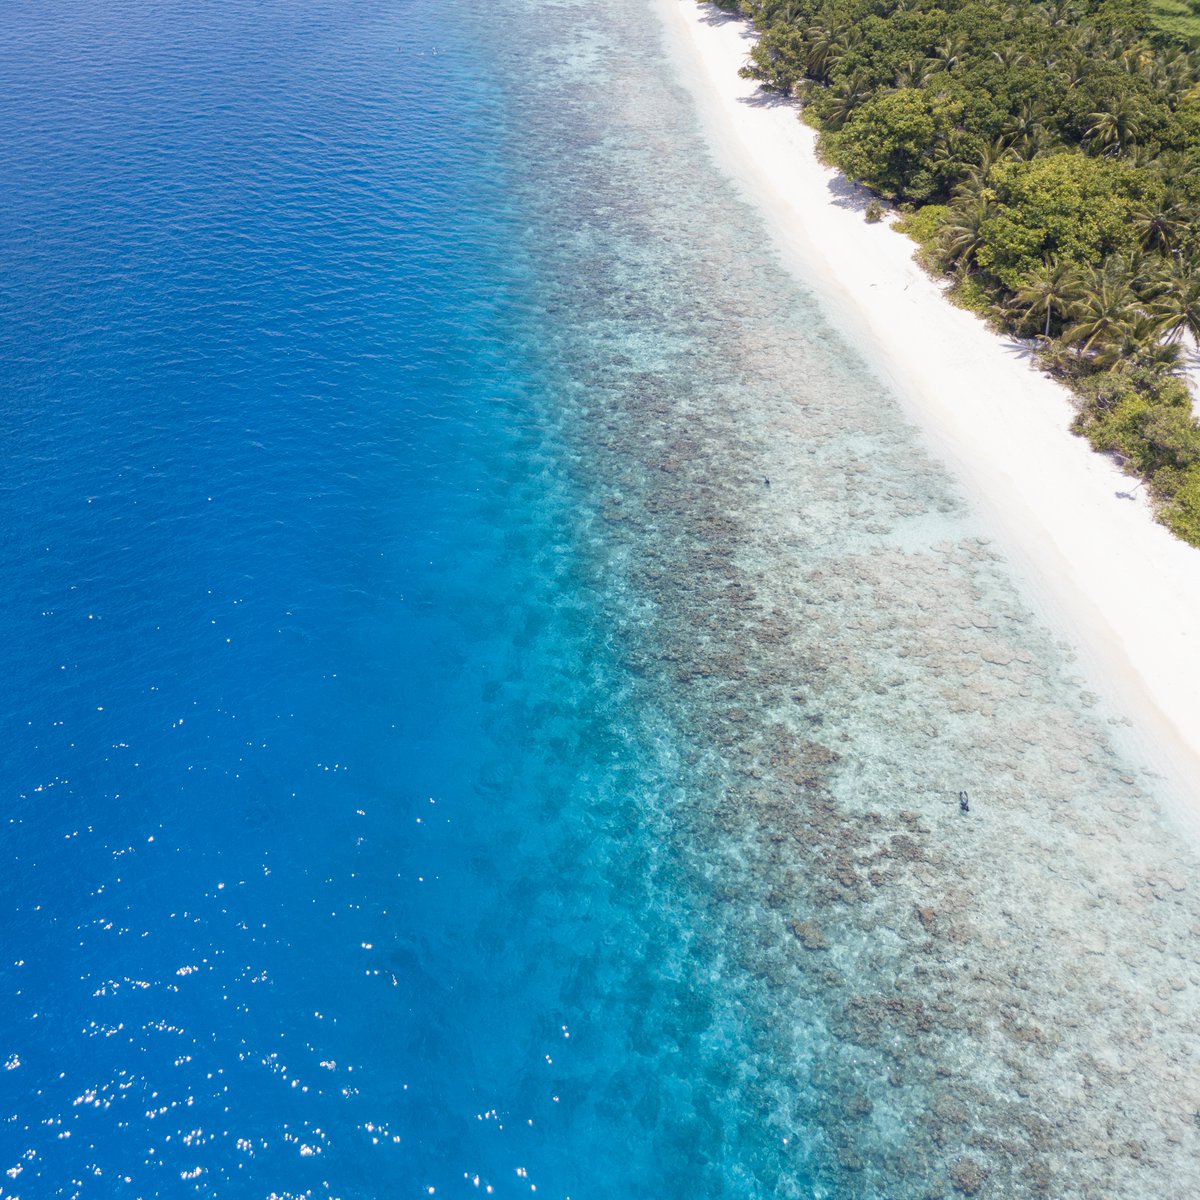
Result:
pixel 1093 562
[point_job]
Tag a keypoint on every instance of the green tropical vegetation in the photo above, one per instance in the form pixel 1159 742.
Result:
pixel 1181 17
pixel 1046 156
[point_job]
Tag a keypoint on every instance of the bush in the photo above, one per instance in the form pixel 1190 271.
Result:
pixel 1181 513
pixel 1066 206
pixel 923 224
pixel 1118 429
pixel 1145 418
pixel 970 292
pixel 874 213
pixel 1172 438
pixel 886 141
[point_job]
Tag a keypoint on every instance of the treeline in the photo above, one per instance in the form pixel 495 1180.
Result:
pixel 1047 156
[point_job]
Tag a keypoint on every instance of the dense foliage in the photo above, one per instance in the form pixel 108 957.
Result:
pixel 1047 156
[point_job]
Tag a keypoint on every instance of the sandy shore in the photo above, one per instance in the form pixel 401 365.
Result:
pixel 1094 564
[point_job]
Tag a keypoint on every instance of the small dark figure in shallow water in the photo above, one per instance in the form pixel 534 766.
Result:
pixel 766 481
pixel 964 805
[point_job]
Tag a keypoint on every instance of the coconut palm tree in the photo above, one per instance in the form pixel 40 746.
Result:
pixel 975 178
pixel 1177 304
pixel 914 73
pixel 1090 42
pixel 1116 128
pixel 846 97
pixel 791 14
pixel 962 234
pixel 1137 343
pixel 1059 13
pixel 821 47
pixel 1105 305
pixel 1024 123
pixel 995 151
pixel 1010 56
pixel 1143 156
pixel 1137 60
pixel 1040 141
pixel 1174 169
pixel 1162 226
pixel 950 53
pixel 1075 70
pixel 1134 268
pixel 1051 288
pixel 1173 73
pixel 946 158
pixel 826 46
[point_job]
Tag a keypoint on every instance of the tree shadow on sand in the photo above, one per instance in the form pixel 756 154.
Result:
pixel 845 193
pixel 710 14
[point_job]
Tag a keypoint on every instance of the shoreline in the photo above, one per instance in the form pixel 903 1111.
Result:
pixel 1104 575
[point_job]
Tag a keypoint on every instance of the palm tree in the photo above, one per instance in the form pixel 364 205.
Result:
pixel 1024 124
pixel 1010 56
pixel 947 160
pixel 1115 128
pixel 1089 42
pixel 1076 69
pixel 1136 343
pixel 950 53
pixel 1040 141
pixel 1177 305
pixel 975 179
pixel 1161 226
pixel 1138 59
pixel 962 234
pixel 1132 267
pixel 1104 307
pixel 847 96
pixel 1059 12
pixel 791 14
pixel 914 73
pixel 825 46
pixel 1173 74
pixel 1175 169
pixel 1052 287
pixel 994 152
pixel 820 43
pixel 836 45
pixel 1143 156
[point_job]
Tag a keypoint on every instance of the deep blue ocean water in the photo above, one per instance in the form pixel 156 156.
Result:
pixel 487 671
pixel 314 757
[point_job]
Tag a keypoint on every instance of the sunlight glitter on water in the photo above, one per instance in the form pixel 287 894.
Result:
pixel 433 673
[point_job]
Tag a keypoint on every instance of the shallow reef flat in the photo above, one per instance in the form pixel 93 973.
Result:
pixel 999 1002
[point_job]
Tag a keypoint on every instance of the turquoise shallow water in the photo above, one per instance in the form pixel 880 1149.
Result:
pixel 440 761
